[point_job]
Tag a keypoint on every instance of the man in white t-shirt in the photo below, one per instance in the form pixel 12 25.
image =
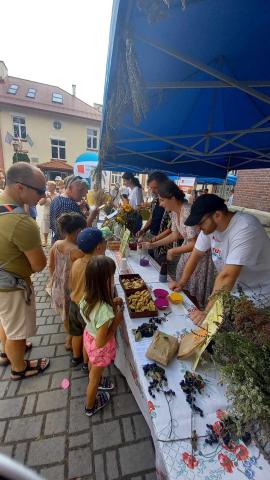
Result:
pixel 240 251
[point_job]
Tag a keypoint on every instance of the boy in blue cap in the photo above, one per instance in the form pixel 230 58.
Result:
pixel 91 242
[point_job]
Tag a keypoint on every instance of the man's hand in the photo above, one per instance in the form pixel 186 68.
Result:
pixel 197 316
pixel 171 253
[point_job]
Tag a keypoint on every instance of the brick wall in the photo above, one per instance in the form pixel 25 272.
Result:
pixel 253 189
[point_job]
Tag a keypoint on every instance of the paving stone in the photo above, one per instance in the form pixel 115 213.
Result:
pixel 40 320
pixel 79 440
pixel 60 363
pixel 49 321
pixel 24 428
pixel 57 338
pixel 57 378
pixel 41 305
pixel 78 386
pixel 55 422
pixel 136 478
pixel 128 429
pixel 151 476
pixel 124 404
pixel 41 352
pixel 112 467
pixel 137 457
pixel 121 384
pixel 35 340
pixel 61 328
pixel 106 435
pixel 11 407
pixel 99 467
pixel 3 388
pixel 61 350
pixel 20 452
pixel 12 389
pixel 54 473
pixel 46 451
pixel 7 450
pixel 6 373
pixel 51 400
pixel 47 329
pixel 80 462
pixel 2 429
pixel 57 319
pixel 141 427
pixel 78 421
pixel 48 311
pixel 30 404
pixel 45 340
pixel 36 384
pixel 113 370
pixel 107 412
pixel 78 373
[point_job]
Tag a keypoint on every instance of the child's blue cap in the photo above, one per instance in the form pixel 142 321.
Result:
pixel 88 239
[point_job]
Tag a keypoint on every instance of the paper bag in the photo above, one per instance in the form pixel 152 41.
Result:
pixel 190 342
pixel 163 348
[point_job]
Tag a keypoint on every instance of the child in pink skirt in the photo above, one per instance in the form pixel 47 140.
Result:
pixel 102 314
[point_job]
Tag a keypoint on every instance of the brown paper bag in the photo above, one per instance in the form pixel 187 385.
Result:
pixel 163 348
pixel 190 342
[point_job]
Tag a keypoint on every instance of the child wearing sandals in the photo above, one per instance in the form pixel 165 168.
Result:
pixel 62 254
pixel 102 314
pixel 92 243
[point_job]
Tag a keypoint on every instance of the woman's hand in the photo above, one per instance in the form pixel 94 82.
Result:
pixel 176 286
pixel 118 301
pixel 171 253
pixel 197 316
pixel 146 245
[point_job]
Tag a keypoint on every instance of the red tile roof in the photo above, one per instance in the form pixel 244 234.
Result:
pixel 43 100
pixel 56 165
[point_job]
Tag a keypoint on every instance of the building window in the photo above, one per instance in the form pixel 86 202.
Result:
pixel 57 98
pixel 116 178
pixel 92 139
pixel 19 127
pixel 57 125
pixel 31 93
pixel 13 89
pixel 58 149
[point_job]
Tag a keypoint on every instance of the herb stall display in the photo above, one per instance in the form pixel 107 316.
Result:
pixel 241 351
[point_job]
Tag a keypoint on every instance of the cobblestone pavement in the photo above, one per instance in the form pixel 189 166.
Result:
pixel 44 427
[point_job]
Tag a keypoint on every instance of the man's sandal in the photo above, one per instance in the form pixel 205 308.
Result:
pixel 4 361
pixel 37 369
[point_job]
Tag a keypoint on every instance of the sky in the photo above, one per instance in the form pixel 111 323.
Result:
pixel 58 42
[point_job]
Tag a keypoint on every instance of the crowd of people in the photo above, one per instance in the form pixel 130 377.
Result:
pixel 207 248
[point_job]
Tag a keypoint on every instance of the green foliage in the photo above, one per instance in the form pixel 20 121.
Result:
pixel 20 157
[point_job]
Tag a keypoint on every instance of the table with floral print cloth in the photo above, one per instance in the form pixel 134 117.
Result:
pixel 171 423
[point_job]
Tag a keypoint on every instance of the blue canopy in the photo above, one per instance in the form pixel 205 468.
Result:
pixel 187 90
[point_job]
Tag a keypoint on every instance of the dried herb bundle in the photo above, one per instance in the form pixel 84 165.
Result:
pixel 241 350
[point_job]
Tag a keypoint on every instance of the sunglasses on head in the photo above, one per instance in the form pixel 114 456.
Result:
pixel 39 191
pixel 76 178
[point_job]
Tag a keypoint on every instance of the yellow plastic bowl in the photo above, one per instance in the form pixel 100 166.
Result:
pixel 176 297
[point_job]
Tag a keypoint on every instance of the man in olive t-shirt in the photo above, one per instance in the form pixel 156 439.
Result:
pixel 21 255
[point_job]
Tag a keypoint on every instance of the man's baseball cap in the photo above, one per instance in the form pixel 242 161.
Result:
pixel 204 204
pixel 88 239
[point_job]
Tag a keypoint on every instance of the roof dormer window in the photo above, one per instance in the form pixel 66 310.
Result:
pixel 57 98
pixel 12 89
pixel 31 93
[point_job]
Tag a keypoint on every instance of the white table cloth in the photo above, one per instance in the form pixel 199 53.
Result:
pixel 171 438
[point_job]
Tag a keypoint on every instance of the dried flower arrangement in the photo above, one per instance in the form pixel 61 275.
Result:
pixel 241 351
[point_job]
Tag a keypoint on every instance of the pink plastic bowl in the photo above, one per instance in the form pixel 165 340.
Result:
pixel 160 293
pixel 161 303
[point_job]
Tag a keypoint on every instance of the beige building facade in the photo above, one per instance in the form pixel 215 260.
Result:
pixel 45 122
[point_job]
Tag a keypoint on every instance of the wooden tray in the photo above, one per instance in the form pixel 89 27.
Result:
pixel 147 313
pixel 131 276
